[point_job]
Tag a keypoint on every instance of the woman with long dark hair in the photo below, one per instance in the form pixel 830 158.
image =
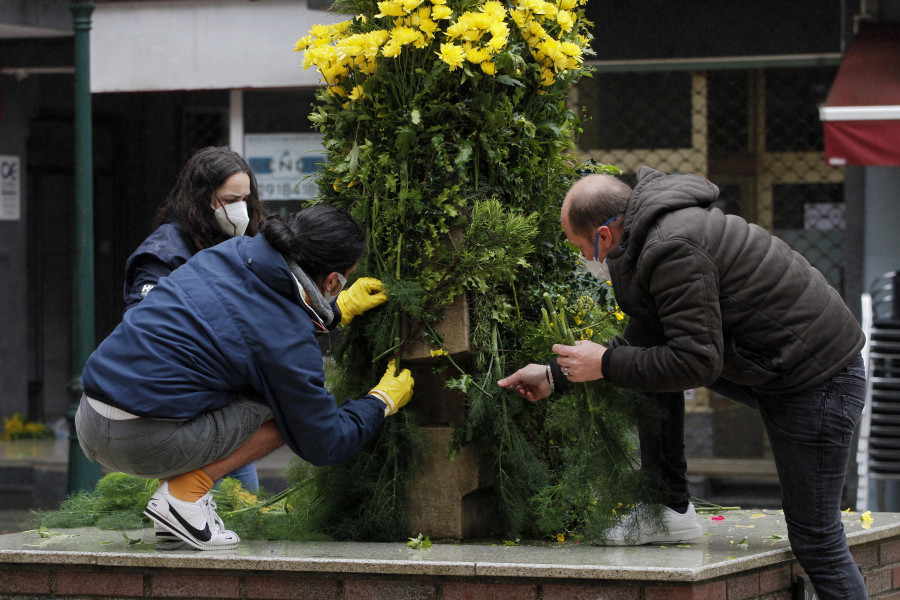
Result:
pixel 214 199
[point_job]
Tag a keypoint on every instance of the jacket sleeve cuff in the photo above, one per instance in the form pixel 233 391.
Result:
pixel 560 381
pixel 604 362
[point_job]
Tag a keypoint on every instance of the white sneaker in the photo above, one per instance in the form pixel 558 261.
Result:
pixel 193 522
pixel 641 527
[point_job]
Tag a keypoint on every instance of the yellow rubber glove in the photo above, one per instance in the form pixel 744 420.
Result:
pixel 395 391
pixel 365 293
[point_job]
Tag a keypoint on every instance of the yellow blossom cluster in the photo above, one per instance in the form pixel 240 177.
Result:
pixel 476 36
pixel 534 18
pixel 18 427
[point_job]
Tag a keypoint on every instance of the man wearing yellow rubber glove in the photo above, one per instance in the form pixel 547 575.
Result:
pixel 394 390
pixel 365 293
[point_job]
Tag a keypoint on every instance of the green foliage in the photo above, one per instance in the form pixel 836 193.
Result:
pixel 117 502
pixel 365 497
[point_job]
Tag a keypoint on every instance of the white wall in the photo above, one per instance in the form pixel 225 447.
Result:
pixel 201 44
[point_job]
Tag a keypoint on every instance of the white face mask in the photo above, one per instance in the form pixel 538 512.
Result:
pixel 598 269
pixel 233 218
pixel 329 298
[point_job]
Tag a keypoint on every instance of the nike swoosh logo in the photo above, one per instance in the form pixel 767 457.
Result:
pixel 204 535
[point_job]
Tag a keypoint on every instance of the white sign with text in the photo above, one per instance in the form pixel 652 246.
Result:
pixel 283 162
pixel 10 188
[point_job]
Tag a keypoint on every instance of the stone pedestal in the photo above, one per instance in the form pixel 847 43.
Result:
pixel 449 498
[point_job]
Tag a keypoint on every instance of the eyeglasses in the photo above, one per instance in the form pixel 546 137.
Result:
pixel 597 233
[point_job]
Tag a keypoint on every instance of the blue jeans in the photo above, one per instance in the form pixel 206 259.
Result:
pixel 810 434
pixel 247 475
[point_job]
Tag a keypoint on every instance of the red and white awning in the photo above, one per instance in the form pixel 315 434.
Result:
pixel 862 112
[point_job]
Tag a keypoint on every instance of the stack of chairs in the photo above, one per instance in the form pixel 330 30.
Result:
pixel 879 437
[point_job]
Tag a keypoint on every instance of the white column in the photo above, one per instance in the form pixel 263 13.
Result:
pixel 236 121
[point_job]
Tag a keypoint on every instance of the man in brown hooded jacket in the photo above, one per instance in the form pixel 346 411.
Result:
pixel 718 302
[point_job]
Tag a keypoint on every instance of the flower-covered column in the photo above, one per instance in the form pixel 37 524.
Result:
pixel 447 134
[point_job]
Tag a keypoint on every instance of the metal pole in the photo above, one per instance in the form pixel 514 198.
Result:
pixel 83 474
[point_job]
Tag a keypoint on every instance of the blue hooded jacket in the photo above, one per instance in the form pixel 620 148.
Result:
pixel 162 252
pixel 230 321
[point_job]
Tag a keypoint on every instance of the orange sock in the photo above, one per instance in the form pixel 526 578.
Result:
pixel 190 487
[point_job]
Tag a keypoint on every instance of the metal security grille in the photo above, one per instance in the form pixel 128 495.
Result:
pixel 753 132
pixel 202 127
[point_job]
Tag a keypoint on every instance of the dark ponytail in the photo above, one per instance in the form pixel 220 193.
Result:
pixel 320 239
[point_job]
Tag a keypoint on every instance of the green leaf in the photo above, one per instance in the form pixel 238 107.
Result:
pixel 507 80
pixel 353 157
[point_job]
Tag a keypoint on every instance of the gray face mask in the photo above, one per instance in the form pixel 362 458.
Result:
pixel 233 218
pixel 597 268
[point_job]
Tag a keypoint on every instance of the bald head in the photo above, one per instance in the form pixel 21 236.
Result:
pixel 592 200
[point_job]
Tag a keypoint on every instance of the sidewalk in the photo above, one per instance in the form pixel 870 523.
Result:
pixel 743 554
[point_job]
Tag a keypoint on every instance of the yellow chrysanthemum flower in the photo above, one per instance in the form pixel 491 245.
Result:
pixel 480 21
pixel 571 49
pixel 566 20
pixel 337 90
pixel 410 5
pixel 560 537
pixel 391 49
pixel 357 92
pixel 547 77
pixel 489 68
pixel 369 67
pixel 494 9
pixel 303 43
pixel 428 27
pixel 567 4
pixel 536 30
pixel 440 352
pixel 499 29
pixel 404 35
pixel 519 17
pixel 322 32
pixel 477 55
pixel 440 12
pixel 370 45
pixel 452 54
pixel 455 30
pixel 553 51
pixel 496 43
pixel 390 8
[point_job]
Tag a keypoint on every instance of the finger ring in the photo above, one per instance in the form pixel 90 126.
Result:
pixel 566 371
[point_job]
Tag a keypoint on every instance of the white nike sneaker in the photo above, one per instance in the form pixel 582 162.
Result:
pixel 638 528
pixel 193 522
